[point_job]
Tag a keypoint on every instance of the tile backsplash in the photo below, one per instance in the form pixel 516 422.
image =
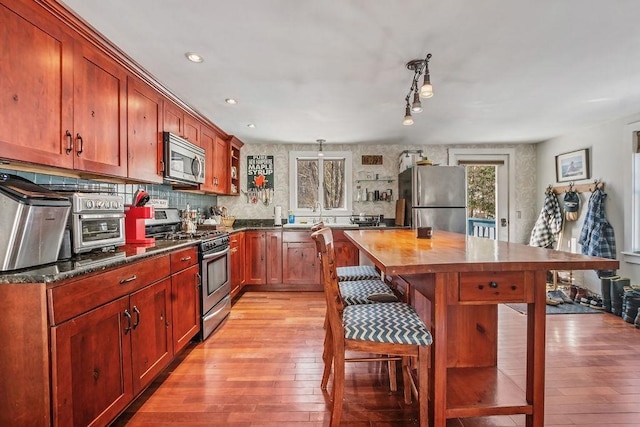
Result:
pixel 177 199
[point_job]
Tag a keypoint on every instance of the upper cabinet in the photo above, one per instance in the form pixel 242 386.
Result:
pixel 70 100
pixel 99 114
pixel 182 124
pixel 217 162
pixel 234 172
pixel 37 73
pixel 144 132
pixel 63 103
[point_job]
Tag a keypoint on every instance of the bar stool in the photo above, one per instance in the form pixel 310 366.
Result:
pixel 393 328
pixel 363 287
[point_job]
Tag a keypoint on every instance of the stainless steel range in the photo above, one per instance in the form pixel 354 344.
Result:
pixel 215 266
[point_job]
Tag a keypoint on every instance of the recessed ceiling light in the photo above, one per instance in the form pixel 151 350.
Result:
pixel 194 57
pixel 251 125
pixel 231 101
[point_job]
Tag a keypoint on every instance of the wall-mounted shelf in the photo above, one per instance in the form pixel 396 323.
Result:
pixel 376 180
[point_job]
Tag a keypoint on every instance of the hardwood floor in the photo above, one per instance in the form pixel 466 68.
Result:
pixel 263 367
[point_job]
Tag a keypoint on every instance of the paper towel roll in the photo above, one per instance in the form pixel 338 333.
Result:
pixel 277 216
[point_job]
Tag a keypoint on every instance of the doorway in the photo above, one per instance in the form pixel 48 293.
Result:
pixel 501 162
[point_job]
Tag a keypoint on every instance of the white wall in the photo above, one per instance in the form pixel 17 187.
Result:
pixel 611 159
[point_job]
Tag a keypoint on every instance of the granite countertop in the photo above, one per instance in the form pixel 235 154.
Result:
pixel 93 261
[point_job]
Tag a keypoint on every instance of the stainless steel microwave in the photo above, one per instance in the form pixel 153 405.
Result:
pixel 183 161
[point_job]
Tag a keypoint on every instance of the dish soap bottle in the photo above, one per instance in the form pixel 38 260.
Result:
pixel 292 218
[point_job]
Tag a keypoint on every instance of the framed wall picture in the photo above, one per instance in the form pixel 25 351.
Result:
pixel 572 166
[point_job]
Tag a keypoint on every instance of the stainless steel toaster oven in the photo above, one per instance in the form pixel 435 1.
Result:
pixel 97 222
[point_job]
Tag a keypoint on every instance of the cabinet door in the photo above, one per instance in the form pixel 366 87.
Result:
pixel 346 252
pixel 234 172
pixel 255 257
pixel 173 119
pixel 151 346
pixel 192 130
pixel 36 88
pixel 236 251
pixel 207 141
pixel 185 306
pixel 299 263
pixel 144 132
pixel 91 366
pixel 222 179
pixel 274 260
pixel 99 119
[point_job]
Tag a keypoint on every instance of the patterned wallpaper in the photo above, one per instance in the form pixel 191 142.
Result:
pixel 525 202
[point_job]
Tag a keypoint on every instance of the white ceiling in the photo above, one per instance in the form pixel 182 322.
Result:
pixel 502 70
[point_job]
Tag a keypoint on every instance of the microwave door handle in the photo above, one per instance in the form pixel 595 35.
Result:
pixel 101 216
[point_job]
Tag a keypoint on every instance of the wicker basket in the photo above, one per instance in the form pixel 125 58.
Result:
pixel 228 221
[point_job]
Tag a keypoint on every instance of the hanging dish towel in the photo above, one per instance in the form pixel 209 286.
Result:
pixel 549 222
pixel 597 237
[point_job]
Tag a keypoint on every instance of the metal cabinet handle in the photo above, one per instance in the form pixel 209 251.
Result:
pixel 68 135
pixel 79 138
pixel 187 258
pixel 493 285
pixel 128 316
pixel 129 279
pixel 137 321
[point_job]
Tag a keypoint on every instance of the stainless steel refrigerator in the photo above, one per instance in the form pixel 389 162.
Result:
pixel 436 196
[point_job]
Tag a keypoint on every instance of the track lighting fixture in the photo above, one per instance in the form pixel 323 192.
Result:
pixel 419 67
pixel 320 142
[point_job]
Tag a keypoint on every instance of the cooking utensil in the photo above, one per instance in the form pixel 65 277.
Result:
pixel 141 198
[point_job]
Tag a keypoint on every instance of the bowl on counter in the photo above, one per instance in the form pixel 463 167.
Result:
pixel 228 221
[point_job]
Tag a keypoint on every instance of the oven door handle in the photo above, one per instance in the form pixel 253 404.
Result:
pixel 215 254
pixel 101 216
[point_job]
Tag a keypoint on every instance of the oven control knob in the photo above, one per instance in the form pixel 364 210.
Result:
pixel 88 204
pixel 99 204
pixel 114 205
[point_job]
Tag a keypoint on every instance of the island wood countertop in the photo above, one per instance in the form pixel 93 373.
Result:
pixel 398 251
pixel 455 283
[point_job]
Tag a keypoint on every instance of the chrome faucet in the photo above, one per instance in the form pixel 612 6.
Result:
pixel 317 207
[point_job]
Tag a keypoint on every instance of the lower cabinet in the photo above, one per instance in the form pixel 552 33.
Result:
pixel 113 332
pixel 103 358
pixel 300 263
pixel 185 296
pixel 346 252
pixel 237 257
pixel 263 253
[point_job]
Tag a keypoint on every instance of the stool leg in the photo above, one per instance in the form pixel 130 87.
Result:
pixel 393 381
pixel 423 385
pixel 406 380
pixel 327 358
pixel 338 386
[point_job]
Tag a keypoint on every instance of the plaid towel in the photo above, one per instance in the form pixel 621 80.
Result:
pixel 549 223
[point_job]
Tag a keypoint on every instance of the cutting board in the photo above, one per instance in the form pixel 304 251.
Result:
pixel 400 207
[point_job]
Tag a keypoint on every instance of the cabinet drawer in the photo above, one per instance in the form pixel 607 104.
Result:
pixel 76 297
pixel 492 287
pixel 183 258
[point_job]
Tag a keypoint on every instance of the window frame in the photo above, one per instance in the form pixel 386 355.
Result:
pixel 347 156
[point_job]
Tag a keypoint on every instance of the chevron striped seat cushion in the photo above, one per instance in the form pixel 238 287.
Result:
pixel 358 291
pixel 395 323
pixel 357 272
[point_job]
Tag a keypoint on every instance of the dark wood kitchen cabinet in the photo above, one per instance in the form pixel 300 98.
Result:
pixel 104 351
pixel 216 162
pixel 99 133
pixel 300 264
pixel 237 259
pixel 180 123
pixel 36 87
pixel 63 102
pixel 234 173
pixel 144 132
pixel 346 252
pixel 263 253
pixel 185 296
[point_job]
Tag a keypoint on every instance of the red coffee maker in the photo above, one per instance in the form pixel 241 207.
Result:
pixel 134 216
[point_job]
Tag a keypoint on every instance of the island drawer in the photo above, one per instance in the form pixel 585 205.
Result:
pixel 79 296
pixel 492 287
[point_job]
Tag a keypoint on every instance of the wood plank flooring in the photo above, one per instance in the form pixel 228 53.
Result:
pixel 263 368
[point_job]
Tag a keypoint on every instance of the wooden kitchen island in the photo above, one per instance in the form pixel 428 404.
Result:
pixel 455 283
